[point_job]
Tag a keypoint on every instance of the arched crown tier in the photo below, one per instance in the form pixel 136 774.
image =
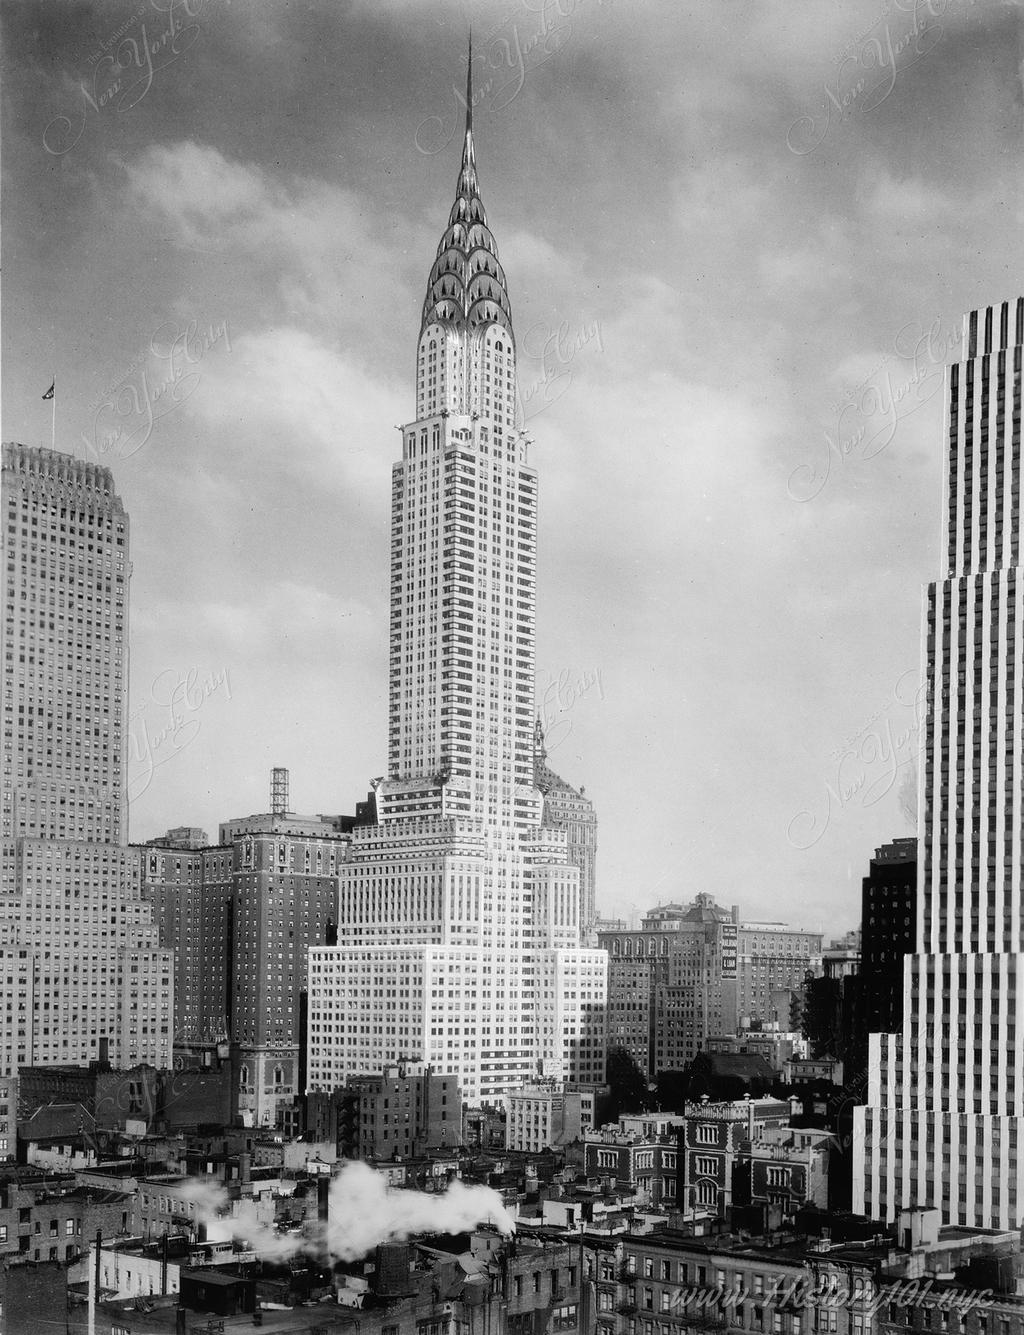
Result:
pixel 466 287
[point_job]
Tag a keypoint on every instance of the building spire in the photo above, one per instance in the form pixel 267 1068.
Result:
pixel 469 88
pixel 466 287
pixel 467 176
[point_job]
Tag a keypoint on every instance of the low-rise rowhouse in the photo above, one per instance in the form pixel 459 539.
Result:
pixel 639 1155
pixel 670 1282
pixel 710 1141
pixel 540 1287
pixel 129 1271
pixel 167 1204
pixel 784 1167
pixel 922 1307
pixel 52 1219
pixel 932 1281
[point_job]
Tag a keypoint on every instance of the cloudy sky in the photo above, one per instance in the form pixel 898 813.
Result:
pixel 739 241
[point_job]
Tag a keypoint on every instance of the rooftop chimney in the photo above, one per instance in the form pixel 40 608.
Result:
pixel 279 792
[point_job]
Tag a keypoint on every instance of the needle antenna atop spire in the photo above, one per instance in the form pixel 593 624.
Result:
pixel 469 86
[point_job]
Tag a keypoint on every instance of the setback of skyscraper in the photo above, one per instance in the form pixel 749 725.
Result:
pixel 459 927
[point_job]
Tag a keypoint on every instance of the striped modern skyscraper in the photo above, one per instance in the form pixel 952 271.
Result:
pixel 459 918
pixel 945 1109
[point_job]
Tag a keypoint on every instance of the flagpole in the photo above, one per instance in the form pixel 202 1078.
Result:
pixel 53 418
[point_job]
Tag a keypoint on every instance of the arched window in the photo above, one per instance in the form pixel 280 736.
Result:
pixel 243 1076
pixel 278 1075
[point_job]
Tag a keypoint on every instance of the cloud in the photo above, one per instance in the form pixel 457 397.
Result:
pixel 907 200
pixel 532 258
pixel 329 257
pixel 325 417
pixel 206 197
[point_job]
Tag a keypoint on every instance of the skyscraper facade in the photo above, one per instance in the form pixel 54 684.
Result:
pixel 772 964
pixel 459 913
pixel 694 972
pixel 945 1109
pixel 241 917
pixel 79 957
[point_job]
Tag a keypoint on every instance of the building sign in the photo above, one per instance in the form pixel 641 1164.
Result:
pixel 729 950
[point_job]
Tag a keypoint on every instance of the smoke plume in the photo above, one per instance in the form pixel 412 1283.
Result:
pixel 212 1203
pixel 362 1212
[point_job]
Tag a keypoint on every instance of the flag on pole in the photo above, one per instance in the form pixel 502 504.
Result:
pixel 49 392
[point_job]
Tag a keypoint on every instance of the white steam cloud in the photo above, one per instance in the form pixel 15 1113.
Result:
pixel 362 1212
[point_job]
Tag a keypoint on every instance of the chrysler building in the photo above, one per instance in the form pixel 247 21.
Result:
pixel 459 923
